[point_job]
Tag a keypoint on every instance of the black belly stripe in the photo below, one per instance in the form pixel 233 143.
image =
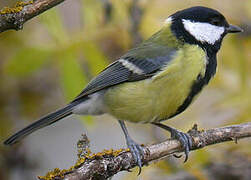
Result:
pixel 199 84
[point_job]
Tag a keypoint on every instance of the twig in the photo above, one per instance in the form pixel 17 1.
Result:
pixel 14 18
pixel 106 166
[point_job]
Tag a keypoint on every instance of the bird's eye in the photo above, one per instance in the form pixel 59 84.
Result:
pixel 215 22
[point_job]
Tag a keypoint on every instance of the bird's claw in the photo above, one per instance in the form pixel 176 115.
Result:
pixel 185 140
pixel 137 152
pixel 177 156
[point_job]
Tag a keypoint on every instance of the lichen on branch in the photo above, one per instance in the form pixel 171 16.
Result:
pixel 15 17
pixel 57 173
pixel 16 9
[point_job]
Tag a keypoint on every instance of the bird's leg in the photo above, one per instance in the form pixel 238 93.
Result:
pixel 184 138
pixel 136 150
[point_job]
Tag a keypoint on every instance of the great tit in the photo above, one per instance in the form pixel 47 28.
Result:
pixel 156 80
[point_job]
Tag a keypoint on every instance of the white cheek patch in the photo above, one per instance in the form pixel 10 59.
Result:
pixel 203 32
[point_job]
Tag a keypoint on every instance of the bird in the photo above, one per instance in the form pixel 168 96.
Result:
pixel 155 81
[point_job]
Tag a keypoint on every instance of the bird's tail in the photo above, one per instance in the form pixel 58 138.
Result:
pixel 44 121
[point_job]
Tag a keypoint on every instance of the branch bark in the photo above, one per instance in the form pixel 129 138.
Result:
pixel 106 166
pixel 15 20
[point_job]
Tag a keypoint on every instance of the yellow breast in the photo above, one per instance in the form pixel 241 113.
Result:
pixel 159 97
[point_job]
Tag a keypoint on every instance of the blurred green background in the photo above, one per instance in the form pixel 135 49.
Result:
pixel 50 61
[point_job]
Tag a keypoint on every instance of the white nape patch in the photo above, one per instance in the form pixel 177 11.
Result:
pixel 168 20
pixel 203 32
pixel 133 68
pixel 92 106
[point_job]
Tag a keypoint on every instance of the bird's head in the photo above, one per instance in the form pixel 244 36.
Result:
pixel 201 25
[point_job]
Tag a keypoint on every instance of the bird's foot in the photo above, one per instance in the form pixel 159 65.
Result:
pixel 137 152
pixel 184 138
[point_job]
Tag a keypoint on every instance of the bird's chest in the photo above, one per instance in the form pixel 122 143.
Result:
pixel 159 97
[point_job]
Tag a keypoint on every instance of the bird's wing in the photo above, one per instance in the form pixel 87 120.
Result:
pixel 138 64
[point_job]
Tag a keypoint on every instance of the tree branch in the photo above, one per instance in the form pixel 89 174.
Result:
pixel 106 164
pixel 14 18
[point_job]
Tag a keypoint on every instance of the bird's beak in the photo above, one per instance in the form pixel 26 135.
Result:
pixel 233 29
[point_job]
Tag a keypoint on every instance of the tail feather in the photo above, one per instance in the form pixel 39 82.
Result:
pixel 44 121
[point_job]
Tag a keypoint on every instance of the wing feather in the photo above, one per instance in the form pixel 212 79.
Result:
pixel 117 72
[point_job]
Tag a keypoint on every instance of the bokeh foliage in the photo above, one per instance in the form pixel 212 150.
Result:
pixel 49 62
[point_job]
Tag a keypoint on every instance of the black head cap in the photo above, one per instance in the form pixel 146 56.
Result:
pixel 201 14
